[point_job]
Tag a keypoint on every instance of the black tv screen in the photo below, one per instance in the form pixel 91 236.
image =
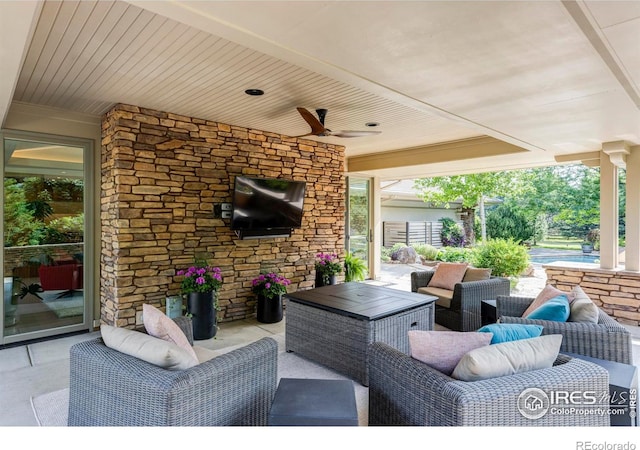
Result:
pixel 266 203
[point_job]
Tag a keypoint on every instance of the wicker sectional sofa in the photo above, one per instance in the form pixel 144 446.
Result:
pixel 463 311
pixel 606 339
pixel 110 388
pixel 405 391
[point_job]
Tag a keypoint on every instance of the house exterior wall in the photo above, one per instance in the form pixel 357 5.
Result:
pixel 411 213
pixel 162 174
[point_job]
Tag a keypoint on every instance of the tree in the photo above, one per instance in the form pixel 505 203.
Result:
pixel 20 225
pixel 505 221
pixel 580 202
pixel 541 196
pixel 470 190
pixel 564 199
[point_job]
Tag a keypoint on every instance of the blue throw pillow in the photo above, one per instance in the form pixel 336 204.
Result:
pixel 556 309
pixel 506 332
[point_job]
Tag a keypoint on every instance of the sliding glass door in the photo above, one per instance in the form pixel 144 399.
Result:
pixel 358 218
pixel 44 229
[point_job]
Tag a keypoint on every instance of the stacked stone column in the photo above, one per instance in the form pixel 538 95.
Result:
pixel 162 174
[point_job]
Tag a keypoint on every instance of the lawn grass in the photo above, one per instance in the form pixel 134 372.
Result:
pixel 562 243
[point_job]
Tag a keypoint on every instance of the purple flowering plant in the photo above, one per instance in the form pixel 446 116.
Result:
pixel 270 285
pixel 328 264
pixel 200 279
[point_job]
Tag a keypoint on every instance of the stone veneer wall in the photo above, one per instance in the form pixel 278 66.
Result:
pixel 162 174
pixel 617 292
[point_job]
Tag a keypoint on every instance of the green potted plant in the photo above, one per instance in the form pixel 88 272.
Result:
pixel 355 269
pixel 269 289
pixel 200 284
pixel 327 267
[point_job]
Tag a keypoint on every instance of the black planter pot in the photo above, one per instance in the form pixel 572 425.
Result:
pixel 269 310
pixel 203 314
pixel 321 282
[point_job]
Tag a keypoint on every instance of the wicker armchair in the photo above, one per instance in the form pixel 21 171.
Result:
pixel 109 388
pixel 463 314
pixel 606 339
pixel 405 391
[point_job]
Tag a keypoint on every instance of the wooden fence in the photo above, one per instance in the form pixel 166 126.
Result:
pixel 411 233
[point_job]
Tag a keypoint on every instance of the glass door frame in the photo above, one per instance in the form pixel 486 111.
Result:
pixel 369 237
pixel 89 199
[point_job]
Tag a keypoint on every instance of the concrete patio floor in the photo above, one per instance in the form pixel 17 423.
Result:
pixel 42 367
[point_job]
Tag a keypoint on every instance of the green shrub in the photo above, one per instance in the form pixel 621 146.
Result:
pixel 385 254
pixel 64 229
pixel 454 254
pixel 428 252
pixel 505 257
pixel 505 221
pixel 68 224
pixel 452 233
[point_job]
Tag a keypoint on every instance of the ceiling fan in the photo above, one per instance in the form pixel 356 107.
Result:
pixel 318 128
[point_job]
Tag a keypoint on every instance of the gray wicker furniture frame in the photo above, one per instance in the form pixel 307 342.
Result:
pixel 341 341
pixel 606 339
pixel 109 388
pixel 405 391
pixel 465 312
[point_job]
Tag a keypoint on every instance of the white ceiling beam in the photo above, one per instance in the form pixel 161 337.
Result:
pixel 617 152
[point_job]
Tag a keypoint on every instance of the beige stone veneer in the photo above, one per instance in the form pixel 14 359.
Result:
pixel 617 292
pixel 162 174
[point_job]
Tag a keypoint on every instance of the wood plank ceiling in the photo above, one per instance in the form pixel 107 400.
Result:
pixel 86 56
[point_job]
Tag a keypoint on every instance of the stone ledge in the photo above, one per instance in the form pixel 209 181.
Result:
pixel 616 291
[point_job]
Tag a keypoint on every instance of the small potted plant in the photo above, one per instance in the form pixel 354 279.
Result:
pixel 355 269
pixel 269 288
pixel 327 267
pixel 591 241
pixel 201 284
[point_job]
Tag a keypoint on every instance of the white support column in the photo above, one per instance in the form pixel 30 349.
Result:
pixel 608 213
pixel 376 227
pixel 632 216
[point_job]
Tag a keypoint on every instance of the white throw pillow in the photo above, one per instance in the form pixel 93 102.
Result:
pixel 148 348
pixel 582 309
pixel 508 358
pixel 161 326
pixel 442 350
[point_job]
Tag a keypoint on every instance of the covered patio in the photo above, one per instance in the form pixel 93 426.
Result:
pixel 507 92
pixel 169 102
pixel 45 365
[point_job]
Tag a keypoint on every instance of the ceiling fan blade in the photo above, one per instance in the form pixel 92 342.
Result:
pixel 351 134
pixel 304 135
pixel 317 128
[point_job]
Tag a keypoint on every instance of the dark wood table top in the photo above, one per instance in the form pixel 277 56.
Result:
pixel 361 300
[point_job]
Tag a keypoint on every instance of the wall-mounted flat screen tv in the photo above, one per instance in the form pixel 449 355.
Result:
pixel 267 203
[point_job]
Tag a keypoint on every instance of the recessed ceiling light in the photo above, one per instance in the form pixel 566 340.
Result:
pixel 254 92
pixel 372 124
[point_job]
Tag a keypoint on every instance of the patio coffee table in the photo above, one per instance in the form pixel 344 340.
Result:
pixel 334 325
